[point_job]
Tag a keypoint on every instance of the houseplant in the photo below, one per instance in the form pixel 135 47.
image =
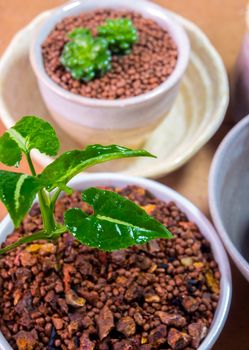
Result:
pixel 18 191
pixel 47 254
pixel 128 121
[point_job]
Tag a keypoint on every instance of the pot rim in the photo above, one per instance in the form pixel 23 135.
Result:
pixel 175 29
pixel 226 143
pixel 165 193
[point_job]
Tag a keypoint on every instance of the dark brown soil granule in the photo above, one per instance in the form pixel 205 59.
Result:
pixel 162 295
pixel 152 60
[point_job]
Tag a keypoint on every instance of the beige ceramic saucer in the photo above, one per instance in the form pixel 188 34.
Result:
pixel 198 111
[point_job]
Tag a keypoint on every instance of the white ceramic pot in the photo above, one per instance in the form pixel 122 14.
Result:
pixel 166 194
pixel 128 121
pixel 229 194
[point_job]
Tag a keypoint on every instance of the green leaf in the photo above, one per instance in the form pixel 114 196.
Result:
pixel 30 132
pixel 17 192
pixel 69 164
pixel 10 153
pixel 117 223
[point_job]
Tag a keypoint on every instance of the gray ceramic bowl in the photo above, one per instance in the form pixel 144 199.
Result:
pixel 229 194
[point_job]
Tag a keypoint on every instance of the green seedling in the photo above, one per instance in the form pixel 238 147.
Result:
pixel 116 222
pixel 84 56
pixel 120 34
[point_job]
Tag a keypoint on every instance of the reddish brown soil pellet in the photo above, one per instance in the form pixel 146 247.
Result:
pixel 149 297
pixel 152 60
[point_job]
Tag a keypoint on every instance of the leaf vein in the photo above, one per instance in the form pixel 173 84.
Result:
pixel 18 190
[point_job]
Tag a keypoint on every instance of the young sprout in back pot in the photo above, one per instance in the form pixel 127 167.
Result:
pixel 87 57
pixel 86 271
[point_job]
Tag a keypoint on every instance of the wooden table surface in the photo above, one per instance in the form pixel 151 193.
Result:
pixel 223 22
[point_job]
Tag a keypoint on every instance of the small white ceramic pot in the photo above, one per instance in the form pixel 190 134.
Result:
pixel 229 194
pixel 128 121
pixel 166 194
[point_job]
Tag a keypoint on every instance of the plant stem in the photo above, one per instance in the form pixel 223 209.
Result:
pixel 54 198
pixel 46 212
pixel 31 166
pixel 44 201
pixel 34 237
pixel 40 235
